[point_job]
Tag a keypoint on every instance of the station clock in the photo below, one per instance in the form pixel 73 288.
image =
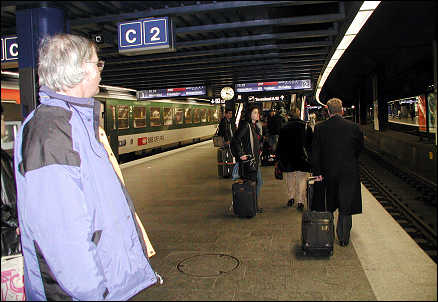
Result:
pixel 227 93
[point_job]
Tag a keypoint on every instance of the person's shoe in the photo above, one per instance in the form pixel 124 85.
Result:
pixel 343 243
pixel 260 210
pixel 300 206
pixel 290 203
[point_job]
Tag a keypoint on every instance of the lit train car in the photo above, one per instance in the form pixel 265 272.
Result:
pixel 417 113
pixel 141 127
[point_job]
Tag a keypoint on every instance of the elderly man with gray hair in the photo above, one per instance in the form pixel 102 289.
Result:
pixel 336 146
pixel 80 237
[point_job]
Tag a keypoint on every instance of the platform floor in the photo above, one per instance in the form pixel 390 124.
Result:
pixel 183 203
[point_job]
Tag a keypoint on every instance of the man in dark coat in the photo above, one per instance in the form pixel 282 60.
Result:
pixel 227 127
pixel 336 146
pixel 292 152
pixel 274 125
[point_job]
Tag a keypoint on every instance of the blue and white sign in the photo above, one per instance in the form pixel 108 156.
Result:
pixel 271 86
pixel 9 49
pixel 130 35
pixel 146 36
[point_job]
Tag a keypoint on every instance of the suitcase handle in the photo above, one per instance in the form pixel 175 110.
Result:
pixel 310 181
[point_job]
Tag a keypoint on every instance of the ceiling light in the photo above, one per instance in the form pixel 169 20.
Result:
pixel 358 22
pixel 117 88
pixel 331 64
pixel 337 55
pixel 346 41
pixel 369 5
pixel 15 74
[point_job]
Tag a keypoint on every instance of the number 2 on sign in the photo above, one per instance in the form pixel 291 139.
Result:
pixel 155 31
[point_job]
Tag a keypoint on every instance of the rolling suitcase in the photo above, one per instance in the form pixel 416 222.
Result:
pixel 244 198
pixel 225 162
pixel 317 228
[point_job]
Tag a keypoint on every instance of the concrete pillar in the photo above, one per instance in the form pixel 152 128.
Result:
pixel 32 25
pixel 380 104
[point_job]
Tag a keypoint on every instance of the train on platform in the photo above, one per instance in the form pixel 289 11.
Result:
pixel 133 127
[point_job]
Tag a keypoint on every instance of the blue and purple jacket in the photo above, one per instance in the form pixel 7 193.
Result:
pixel 79 237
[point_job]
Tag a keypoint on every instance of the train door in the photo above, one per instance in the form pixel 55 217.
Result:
pixel 111 128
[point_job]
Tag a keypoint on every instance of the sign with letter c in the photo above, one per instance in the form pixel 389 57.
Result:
pixel 9 49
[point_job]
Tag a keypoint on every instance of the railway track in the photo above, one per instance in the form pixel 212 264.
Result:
pixel 393 188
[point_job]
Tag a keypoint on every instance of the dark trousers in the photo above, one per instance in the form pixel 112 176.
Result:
pixel 343 227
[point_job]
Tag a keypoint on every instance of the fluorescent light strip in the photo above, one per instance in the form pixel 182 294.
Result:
pixel 10 73
pixel 365 11
pixel 117 88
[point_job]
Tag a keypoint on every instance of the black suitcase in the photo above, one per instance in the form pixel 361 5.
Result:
pixel 317 228
pixel 224 162
pixel 244 198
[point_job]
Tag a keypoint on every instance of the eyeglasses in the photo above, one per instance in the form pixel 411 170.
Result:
pixel 100 64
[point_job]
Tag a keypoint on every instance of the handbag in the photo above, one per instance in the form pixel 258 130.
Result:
pixel 218 141
pixel 277 171
pixel 235 175
pixel 12 288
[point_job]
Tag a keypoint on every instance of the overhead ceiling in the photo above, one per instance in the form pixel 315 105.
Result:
pixel 217 43
pixel 227 42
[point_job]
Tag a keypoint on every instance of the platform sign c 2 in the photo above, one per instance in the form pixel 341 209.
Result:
pixel 9 49
pixel 146 36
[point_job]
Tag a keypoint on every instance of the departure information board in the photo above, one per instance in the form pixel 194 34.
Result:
pixel 171 92
pixel 272 86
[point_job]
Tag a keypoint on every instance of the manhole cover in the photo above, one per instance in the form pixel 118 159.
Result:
pixel 208 265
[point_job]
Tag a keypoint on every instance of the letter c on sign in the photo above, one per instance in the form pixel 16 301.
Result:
pixel 128 39
pixel 13 52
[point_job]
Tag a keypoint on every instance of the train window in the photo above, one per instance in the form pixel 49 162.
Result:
pixel 216 115
pixel 203 115
pixel 168 116
pixel 209 115
pixel 188 115
pixel 123 117
pixel 139 117
pixel 196 115
pixel 113 111
pixel 155 116
pixel 179 113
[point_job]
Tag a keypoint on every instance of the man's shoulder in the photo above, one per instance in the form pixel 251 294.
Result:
pixel 47 139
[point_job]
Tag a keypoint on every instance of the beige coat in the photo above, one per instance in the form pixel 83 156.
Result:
pixel 104 140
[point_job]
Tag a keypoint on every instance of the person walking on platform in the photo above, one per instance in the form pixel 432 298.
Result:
pixel 294 146
pixel 336 146
pixel 227 127
pixel 247 141
pixel 274 126
pixel 80 237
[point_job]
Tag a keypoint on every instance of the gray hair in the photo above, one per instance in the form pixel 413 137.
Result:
pixel 61 59
pixel 334 106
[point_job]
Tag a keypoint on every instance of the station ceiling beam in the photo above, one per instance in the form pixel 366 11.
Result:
pixel 189 9
pixel 312 19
